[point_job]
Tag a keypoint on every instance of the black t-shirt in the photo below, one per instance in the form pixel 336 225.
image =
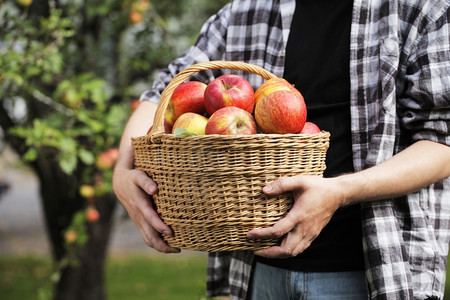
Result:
pixel 317 63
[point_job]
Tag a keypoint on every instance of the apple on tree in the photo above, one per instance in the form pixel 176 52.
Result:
pixel 135 17
pixel 281 112
pixel 186 97
pixel 191 122
pixel 106 159
pixel 310 128
pixel 24 3
pixel 87 191
pixel 70 236
pixel 231 120
pixel 92 215
pixel 140 6
pixel 229 90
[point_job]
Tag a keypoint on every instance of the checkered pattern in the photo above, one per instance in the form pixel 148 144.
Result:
pixel 400 93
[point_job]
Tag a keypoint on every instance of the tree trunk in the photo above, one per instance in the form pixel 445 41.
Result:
pixel 86 281
pixel 60 200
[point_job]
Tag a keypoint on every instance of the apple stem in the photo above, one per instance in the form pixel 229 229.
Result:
pixel 225 85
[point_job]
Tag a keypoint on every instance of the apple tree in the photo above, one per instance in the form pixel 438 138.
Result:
pixel 70 72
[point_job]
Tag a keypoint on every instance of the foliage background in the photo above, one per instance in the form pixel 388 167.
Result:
pixel 70 74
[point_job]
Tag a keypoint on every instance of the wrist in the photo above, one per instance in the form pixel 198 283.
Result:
pixel 349 189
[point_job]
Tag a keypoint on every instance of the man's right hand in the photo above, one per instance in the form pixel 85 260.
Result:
pixel 134 188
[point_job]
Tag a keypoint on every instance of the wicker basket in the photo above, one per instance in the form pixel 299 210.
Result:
pixel 210 186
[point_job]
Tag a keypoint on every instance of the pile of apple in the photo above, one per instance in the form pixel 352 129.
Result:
pixel 228 105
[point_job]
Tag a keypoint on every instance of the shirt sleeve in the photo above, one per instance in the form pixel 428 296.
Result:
pixel 210 45
pixel 425 108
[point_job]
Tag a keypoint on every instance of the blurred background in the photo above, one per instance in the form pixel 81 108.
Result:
pixel 70 76
pixel 71 72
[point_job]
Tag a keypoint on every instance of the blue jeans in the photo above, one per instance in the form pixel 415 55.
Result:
pixel 271 283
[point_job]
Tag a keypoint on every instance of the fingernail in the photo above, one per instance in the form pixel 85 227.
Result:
pixel 151 189
pixel 166 232
pixel 267 189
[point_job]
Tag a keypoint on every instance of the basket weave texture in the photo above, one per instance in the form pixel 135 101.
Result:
pixel 210 186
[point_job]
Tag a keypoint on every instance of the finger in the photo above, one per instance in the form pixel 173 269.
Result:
pixel 152 218
pixel 281 252
pixel 141 179
pixel 292 245
pixel 153 239
pixel 278 230
pixel 283 184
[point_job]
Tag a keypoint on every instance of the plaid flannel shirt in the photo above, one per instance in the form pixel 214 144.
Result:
pixel 400 93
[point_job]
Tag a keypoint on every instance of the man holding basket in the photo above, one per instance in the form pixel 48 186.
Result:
pixel 377 76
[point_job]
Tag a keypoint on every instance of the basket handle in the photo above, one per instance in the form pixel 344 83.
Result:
pixel 188 72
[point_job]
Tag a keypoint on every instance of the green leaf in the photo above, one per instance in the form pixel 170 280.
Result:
pixel 82 238
pixel 30 155
pixel 87 157
pixel 68 163
pixel 78 219
pixel 182 132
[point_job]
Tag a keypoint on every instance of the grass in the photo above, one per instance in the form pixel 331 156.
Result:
pixel 127 277
pixel 130 277
pixel 161 277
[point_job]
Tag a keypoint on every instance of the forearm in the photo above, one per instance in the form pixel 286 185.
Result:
pixel 416 167
pixel 137 125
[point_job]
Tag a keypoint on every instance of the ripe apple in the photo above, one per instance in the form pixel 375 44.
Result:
pixel 106 159
pixel 167 128
pixel 310 128
pixel 135 17
pixel 70 236
pixel 140 6
pixel 229 90
pixel 192 122
pixel 231 120
pixel 87 191
pixel 273 85
pixel 92 214
pixel 24 3
pixel 281 112
pixel 149 129
pixel 134 104
pixel 187 97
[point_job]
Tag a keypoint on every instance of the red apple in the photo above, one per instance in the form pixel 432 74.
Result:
pixel 92 214
pixel 167 128
pixel 281 112
pixel 106 159
pixel 231 120
pixel 113 154
pixel 150 129
pixel 229 90
pixel 187 97
pixel 134 104
pixel 310 128
pixel 191 122
pixel 273 85
pixel 135 17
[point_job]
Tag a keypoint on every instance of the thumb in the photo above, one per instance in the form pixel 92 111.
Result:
pixel 283 184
